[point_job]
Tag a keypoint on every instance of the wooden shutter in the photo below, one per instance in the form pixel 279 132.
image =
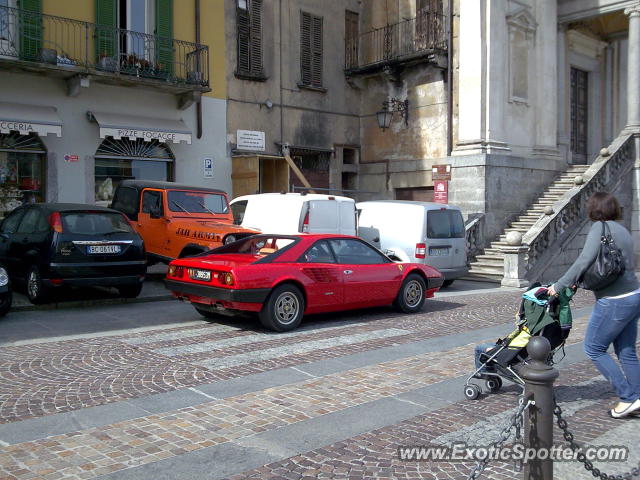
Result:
pixel 305 48
pixel 316 48
pixel 256 37
pixel 164 31
pixel 30 25
pixel 351 34
pixel 244 41
pixel 106 21
pixel 310 50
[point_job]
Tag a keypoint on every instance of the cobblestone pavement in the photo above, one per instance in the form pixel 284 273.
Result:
pixel 40 380
pixel 47 378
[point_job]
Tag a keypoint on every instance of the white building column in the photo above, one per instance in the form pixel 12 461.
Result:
pixel 481 77
pixel 633 68
pixel 563 92
pixel 547 67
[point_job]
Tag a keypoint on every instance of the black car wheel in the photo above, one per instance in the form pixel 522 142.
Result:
pixel 36 291
pixel 130 291
pixel 6 299
pixel 283 309
pixel 411 294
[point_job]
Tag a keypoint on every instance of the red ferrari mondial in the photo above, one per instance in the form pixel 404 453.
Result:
pixel 283 277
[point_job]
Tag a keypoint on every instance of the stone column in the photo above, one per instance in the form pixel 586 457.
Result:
pixel 563 98
pixel 633 68
pixel 514 261
pixel 547 77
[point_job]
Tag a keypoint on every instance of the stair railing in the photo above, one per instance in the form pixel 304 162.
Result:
pixel 569 214
pixel 474 230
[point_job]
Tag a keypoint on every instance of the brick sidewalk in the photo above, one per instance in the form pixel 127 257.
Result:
pixel 43 379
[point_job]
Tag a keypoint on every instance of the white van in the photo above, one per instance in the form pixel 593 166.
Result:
pixel 421 232
pixel 289 213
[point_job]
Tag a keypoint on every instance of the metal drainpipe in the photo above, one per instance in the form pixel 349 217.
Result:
pixel 199 102
pixel 281 86
pixel 450 80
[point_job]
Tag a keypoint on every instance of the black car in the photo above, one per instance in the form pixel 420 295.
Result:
pixel 6 297
pixel 47 245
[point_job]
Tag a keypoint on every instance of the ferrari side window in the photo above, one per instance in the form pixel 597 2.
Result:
pixel 354 252
pixel 318 253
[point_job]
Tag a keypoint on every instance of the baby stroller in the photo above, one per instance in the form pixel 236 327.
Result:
pixel 539 314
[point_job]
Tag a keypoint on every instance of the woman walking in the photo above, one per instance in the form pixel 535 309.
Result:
pixel 614 319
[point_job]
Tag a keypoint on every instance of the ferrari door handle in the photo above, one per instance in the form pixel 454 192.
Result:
pixel 348 272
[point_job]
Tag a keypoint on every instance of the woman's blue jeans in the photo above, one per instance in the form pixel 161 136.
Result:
pixel 615 321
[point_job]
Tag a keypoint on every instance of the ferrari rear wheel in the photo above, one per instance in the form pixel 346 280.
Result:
pixel 411 294
pixel 283 309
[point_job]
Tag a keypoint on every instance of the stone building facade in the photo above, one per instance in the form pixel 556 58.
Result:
pixel 92 92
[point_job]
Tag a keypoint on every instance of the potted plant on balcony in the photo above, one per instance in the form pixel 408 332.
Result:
pixel 107 62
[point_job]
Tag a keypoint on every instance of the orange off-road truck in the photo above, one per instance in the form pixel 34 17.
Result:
pixel 176 220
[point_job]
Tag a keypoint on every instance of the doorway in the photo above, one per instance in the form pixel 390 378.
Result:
pixel 579 115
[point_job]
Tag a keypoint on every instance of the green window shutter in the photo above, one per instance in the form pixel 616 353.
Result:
pixel 106 36
pixel 164 30
pixel 30 25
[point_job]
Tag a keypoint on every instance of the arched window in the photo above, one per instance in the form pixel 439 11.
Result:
pixel 117 160
pixel 21 170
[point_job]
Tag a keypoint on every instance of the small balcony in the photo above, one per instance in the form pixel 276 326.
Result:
pixel 413 40
pixel 64 47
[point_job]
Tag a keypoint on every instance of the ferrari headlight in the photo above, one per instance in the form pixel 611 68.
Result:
pixel 4 277
pixel 229 239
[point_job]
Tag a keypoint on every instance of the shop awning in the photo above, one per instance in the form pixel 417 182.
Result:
pixel 131 126
pixel 25 119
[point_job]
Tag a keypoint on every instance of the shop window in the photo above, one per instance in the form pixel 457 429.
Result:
pixel 21 171
pixel 118 160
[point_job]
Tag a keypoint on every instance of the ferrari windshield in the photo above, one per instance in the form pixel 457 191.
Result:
pixel 257 245
pixel 197 202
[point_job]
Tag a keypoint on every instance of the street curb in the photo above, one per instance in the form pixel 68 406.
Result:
pixel 91 303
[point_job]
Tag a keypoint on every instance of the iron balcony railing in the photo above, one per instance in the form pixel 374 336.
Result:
pixel 74 45
pixel 392 43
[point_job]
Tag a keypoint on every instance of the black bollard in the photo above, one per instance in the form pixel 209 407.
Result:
pixel 538 379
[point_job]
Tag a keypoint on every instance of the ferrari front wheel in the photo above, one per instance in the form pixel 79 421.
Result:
pixel 283 309
pixel 411 294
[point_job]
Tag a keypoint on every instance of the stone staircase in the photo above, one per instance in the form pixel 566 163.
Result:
pixel 489 267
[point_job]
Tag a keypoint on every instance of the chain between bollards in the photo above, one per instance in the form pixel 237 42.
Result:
pixel 588 465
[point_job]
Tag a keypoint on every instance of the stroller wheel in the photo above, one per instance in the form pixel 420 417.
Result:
pixel 471 391
pixel 493 384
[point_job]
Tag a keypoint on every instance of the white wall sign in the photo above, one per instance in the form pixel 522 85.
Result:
pixel 208 167
pixel 250 140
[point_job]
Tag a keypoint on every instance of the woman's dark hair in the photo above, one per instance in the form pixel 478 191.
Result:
pixel 603 206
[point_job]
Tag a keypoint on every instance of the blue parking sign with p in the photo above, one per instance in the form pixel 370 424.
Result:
pixel 208 167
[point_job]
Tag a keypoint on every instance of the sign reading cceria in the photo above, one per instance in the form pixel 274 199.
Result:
pixel 17 126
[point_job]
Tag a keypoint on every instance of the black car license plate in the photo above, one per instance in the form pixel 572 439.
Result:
pixel 197 274
pixel 101 249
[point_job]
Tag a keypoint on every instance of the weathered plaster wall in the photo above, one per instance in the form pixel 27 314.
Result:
pixel 298 116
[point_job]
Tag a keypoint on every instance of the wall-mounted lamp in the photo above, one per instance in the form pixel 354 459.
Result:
pixel 389 107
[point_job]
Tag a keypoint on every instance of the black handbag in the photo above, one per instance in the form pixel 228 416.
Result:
pixel 607 266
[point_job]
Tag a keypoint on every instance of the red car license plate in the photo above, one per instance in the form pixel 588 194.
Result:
pixel 197 274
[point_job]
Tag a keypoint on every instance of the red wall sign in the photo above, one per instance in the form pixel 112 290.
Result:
pixel 71 158
pixel 441 191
